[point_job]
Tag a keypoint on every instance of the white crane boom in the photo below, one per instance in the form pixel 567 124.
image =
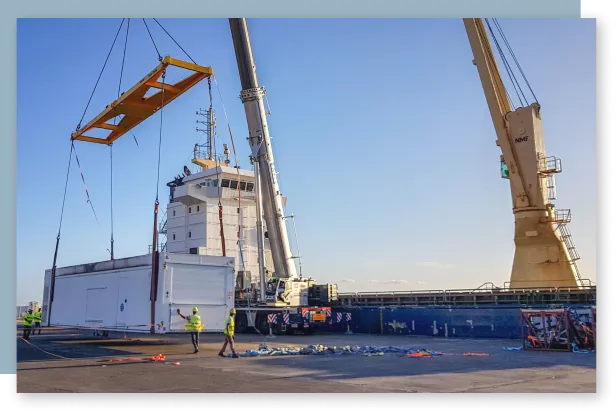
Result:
pixel 259 138
pixel 544 252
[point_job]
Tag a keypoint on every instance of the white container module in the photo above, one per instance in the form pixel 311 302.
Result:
pixel 115 294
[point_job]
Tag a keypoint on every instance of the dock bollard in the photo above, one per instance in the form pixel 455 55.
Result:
pixel 348 320
pixel 271 335
pixel 271 318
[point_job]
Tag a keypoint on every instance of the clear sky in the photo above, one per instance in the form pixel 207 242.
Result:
pixel 381 133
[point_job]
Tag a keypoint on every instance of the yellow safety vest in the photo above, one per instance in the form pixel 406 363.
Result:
pixel 28 319
pixel 230 326
pixel 37 317
pixel 194 323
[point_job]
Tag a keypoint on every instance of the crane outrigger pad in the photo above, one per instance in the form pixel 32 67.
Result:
pixel 135 107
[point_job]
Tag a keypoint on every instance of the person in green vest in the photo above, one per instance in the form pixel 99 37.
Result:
pixel 28 318
pixel 229 335
pixel 194 326
pixel 37 321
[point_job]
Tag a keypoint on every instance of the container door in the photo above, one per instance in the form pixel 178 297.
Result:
pixel 123 293
pixel 210 288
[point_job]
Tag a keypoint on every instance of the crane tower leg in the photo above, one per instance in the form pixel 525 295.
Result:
pixel 544 255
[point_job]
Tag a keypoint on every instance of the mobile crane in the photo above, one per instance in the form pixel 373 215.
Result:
pixel 293 301
pixel 545 255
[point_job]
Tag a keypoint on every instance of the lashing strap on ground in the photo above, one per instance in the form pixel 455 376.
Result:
pixel 44 351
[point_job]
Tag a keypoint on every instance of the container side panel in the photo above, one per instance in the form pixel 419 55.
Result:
pixel 133 299
pixel 95 305
pixel 116 299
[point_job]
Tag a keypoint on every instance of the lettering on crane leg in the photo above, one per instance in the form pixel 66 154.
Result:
pixel 521 139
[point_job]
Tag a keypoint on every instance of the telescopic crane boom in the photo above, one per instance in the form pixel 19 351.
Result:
pixel 259 139
pixel 544 253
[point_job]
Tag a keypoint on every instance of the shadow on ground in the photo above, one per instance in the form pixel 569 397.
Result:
pixel 538 371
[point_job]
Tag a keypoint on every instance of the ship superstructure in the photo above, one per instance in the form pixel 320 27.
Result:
pixel 193 224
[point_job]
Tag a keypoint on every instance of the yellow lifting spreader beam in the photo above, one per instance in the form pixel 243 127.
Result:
pixel 136 107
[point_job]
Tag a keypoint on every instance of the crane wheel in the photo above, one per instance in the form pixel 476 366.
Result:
pixel 262 324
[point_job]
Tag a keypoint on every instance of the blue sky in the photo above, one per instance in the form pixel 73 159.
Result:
pixel 381 133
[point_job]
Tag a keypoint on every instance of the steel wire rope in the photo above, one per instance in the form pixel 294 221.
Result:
pixel 512 76
pixel 111 252
pixel 160 135
pixel 100 75
pixel 239 201
pixel 515 59
pixel 493 66
pixel 152 38
pixel 178 44
pixel 70 159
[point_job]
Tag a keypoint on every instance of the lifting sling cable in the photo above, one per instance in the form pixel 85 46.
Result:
pixel 178 44
pixel 111 251
pixel 99 76
pixel 55 255
pixel 220 215
pixel 223 245
pixel 154 273
pixel 239 199
pixel 84 183
pixel 111 196
pixel 160 58
pixel 218 187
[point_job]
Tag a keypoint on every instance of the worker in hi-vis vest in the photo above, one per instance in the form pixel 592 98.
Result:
pixel 229 334
pixel 194 326
pixel 37 321
pixel 28 318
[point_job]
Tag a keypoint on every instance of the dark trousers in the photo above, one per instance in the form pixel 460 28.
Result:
pixel 230 341
pixel 37 325
pixel 194 337
pixel 27 331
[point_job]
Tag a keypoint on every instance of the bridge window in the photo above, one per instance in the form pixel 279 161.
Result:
pixel 214 183
pixel 190 210
pixel 225 183
pixel 233 184
pixel 197 208
pixel 242 185
pixel 250 187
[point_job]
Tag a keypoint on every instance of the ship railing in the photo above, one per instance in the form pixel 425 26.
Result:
pixel 584 284
pixel 481 295
pixel 467 291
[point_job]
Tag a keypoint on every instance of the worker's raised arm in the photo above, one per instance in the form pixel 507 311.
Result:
pixel 182 316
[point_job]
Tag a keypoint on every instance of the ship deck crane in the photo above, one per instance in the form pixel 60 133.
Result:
pixel 260 144
pixel 544 252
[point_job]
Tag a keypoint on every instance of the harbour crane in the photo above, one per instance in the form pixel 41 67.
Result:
pixel 545 256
